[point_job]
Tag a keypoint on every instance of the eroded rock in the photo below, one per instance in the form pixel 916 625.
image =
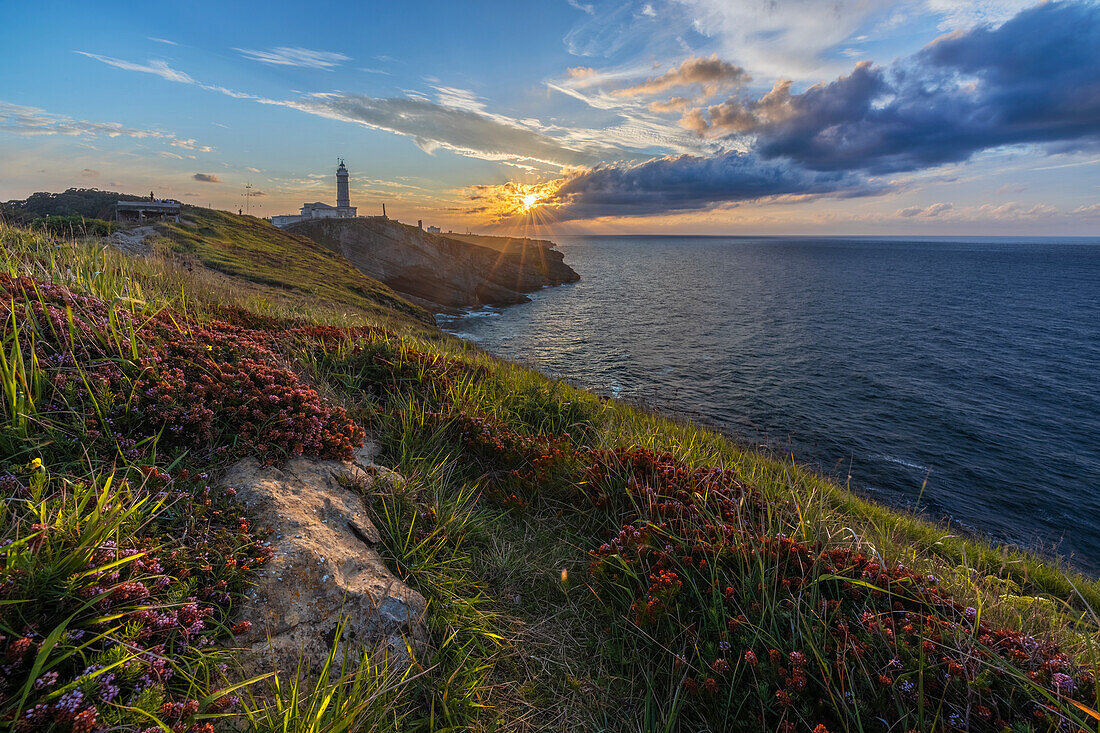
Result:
pixel 326 567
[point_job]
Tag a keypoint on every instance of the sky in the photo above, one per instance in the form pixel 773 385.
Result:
pixel 876 117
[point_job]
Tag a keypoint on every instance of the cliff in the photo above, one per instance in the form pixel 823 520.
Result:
pixel 442 271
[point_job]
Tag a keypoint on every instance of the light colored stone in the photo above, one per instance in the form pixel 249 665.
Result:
pixel 132 241
pixel 325 567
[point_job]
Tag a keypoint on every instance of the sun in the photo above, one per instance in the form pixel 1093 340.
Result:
pixel 514 201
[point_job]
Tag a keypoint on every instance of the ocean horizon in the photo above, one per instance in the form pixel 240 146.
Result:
pixel 953 376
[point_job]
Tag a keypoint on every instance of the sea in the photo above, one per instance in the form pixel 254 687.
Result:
pixel 955 377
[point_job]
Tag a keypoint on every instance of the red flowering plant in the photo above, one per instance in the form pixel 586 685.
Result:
pixel 117 378
pixel 116 576
pixel 520 465
pixel 762 631
pixel 103 621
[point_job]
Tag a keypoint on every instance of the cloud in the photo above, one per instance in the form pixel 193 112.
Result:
pixel 89 173
pixel 1011 211
pixel 710 72
pixel 966 13
pixel 433 126
pixel 583 7
pixel 23 120
pixel 787 38
pixel 927 212
pixel 1033 80
pixel 672 104
pixel 161 40
pixel 688 182
pixel 206 178
pixel 459 123
pixel 301 57
pixel 157 68
pixel 190 144
pixel 161 69
pixel 1006 212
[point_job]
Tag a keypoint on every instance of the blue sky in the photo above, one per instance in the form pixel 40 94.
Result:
pixel 695 116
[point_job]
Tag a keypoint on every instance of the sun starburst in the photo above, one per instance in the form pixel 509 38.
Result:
pixel 516 202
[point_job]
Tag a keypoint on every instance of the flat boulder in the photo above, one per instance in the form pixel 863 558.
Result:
pixel 325 568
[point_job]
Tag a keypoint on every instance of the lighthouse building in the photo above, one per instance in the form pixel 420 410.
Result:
pixel 319 210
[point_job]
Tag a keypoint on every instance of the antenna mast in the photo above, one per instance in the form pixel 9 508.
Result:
pixel 247 196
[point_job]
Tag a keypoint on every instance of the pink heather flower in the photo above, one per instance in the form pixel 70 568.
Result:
pixel 36 715
pixel 1063 682
pixel 47 680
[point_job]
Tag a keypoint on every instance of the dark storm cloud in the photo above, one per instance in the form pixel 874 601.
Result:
pixel 1034 79
pixel 688 182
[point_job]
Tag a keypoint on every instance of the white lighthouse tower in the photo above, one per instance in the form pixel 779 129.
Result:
pixel 343 198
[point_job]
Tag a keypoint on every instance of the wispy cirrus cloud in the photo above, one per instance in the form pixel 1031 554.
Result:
pixel 459 121
pixel 304 58
pixel 459 129
pixel 23 120
pixel 166 72
pixel 156 67
pixel 583 7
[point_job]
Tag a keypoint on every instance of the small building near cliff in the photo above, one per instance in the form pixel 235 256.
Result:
pixel 153 209
pixel 320 210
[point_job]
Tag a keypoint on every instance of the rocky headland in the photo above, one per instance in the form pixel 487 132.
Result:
pixel 442 272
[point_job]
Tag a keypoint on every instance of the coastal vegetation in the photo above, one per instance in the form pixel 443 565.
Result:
pixel 588 565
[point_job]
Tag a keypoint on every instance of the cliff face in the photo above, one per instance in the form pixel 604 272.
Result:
pixel 438 270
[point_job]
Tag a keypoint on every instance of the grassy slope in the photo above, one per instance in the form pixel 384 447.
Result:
pixel 253 250
pixel 497 533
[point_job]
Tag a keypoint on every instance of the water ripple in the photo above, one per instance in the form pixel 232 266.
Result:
pixel 972 364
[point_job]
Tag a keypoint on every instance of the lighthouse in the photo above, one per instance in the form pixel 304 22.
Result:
pixel 343 198
pixel 320 210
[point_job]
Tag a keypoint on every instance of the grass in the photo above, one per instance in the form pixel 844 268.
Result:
pixel 253 250
pixel 587 565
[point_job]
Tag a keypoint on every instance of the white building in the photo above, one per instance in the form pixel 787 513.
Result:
pixel 319 210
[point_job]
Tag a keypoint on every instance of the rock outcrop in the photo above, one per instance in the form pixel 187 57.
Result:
pixel 439 271
pixel 325 568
